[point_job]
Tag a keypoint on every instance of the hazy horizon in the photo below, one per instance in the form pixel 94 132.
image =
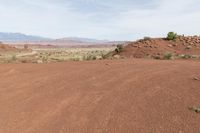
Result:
pixel 103 20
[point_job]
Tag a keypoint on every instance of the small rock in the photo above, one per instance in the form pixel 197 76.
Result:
pixel 196 78
pixel 188 47
pixel 170 46
pixel 99 57
pixel 191 43
pixel 195 109
pixel 117 56
pixel 39 61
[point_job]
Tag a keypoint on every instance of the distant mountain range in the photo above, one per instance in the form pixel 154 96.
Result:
pixel 18 37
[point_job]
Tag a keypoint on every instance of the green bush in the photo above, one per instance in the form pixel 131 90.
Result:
pixel 119 48
pixel 187 56
pixel 168 56
pixel 147 38
pixel 171 36
pixel 13 58
pixel 89 57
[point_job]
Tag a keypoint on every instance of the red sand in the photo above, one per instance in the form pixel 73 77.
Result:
pixel 4 48
pixel 116 96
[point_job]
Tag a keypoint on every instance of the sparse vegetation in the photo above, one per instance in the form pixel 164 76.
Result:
pixel 146 38
pixel 13 58
pixel 157 57
pixel 119 48
pixel 171 36
pixel 168 56
pixel 45 55
pixel 44 59
pixel 186 56
pixel 89 57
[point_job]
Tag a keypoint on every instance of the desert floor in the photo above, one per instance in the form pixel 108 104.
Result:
pixel 109 96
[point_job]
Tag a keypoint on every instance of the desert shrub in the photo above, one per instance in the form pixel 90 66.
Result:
pixel 168 56
pixel 89 57
pixel 94 58
pixel 187 56
pixel 157 57
pixel 13 58
pixel 171 36
pixel 75 59
pixel 44 59
pixel 119 48
pixel 147 38
pixel 104 56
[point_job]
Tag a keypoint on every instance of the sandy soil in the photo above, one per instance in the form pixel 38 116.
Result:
pixel 117 96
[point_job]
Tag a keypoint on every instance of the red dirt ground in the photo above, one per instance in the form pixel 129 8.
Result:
pixel 4 48
pixel 111 96
pixel 158 47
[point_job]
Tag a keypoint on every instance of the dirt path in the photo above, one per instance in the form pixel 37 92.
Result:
pixel 121 96
pixel 27 54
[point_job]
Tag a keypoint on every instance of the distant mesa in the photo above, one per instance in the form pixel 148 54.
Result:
pixel 21 39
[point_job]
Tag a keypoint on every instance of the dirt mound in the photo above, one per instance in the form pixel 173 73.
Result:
pixel 116 96
pixel 159 47
pixel 5 47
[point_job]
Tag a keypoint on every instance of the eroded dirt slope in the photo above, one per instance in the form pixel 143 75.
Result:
pixel 5 48
pixel 158 47
pixel 137 96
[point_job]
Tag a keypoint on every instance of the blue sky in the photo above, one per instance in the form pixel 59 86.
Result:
pixel 100 19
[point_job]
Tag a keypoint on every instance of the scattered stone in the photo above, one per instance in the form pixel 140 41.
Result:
pixel 194 109
pixel 117 56
pixel 188 47
pixel 99 57
pixel 191 43
pixel 170 46
pixel 196 78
